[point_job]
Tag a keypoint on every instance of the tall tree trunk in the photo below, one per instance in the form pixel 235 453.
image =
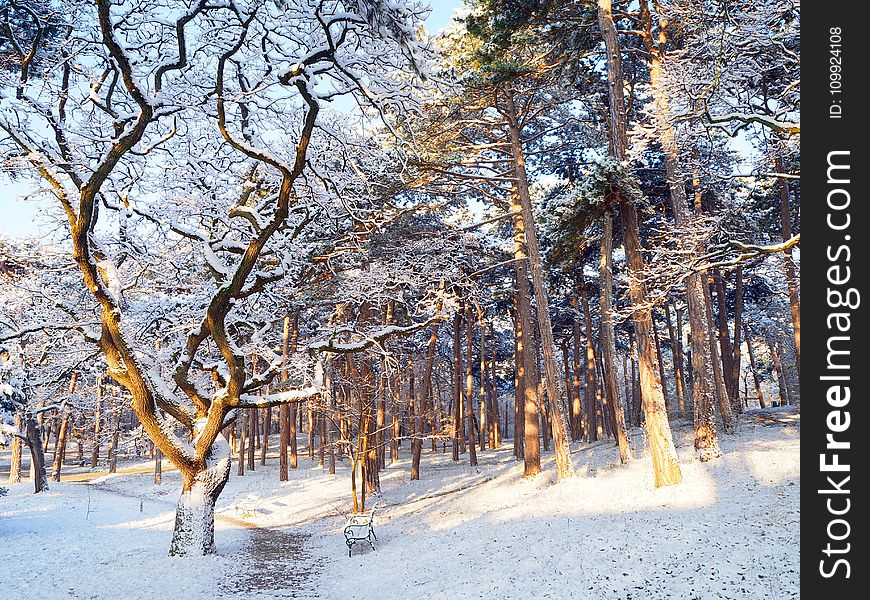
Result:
pixel 677 354
pixel 63 432
pixel 661 362
pixel 519 381
pixel 702 361
pixel 591 383
pixel 241 421
pixel 457 381
pixel 33 437
pixel 496 434
pixel 95 454
pixel 531 443
pixel 158 466
pixel 113 441
pixel 469 386
pixel 294 450
pixel 15 447
pixel 790 272
pixel 608 338
pixel 485 397
pixel 722 399
pixel 564 468
pixel 784 396
pixel 725 349
pixel 738 317
pixel 755 377
pixel 284 417
pixel 576 410
pixel 666 468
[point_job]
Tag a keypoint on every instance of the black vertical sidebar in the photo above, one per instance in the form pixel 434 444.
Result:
pixel 835 371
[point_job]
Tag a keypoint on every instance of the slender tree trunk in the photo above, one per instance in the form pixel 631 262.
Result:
pixel 496 434
pixel 576 410
pixel 564 468
pixel 158 466
pixel 37 457
pixel 784 398
pixel 113 441
pixel 790 271
pixel 284 410
pixel 677 354
pixel 666 467
pixel 661 362
pixel 294 450
pixel 591 383
pixel 457 381
pixel 608 338
pixel 15 447
pixel 243 433
pixel 738 317
pixel 725 349
pixel 469 387
pixel 703 378
pixel 755 377
pixel 95 454
pixel 485 396
pixel 531 448
pixel 722 399
pixel 519 381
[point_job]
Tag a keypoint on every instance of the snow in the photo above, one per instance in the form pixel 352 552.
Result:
pixel 730 530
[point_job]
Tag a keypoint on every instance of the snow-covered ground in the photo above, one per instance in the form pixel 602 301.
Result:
pixel 730 530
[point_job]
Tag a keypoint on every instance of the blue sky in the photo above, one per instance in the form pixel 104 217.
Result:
pixel 27 217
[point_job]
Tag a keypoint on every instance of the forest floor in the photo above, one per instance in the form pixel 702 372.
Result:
pixel 730 530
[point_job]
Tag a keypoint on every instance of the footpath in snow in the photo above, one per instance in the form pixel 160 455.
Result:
pixel 730 530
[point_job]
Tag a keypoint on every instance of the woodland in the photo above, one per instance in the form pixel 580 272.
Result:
pixel 313 254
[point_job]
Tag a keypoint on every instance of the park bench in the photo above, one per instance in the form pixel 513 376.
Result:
pixel 359 528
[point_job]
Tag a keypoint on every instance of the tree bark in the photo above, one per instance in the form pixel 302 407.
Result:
pixel 469 387
pixel 677 354
pixel 608 338
pixel 591 382
pixel 15 447
pixel 576 410
pixel 790 271
pixel 284 411
pixel 703 378
pixel 194 516
pixel 564 468
pixel 457 380
pixel 736 351
pixel 755 377
pixel 666 468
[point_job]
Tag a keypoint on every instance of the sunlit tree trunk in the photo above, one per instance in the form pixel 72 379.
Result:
pixel 564 468
pixel 666 468
pixel 608 338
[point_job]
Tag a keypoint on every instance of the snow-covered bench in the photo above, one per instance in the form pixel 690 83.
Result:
pixel 359 528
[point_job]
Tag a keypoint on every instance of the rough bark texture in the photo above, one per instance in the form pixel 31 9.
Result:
pixel 755 377
pixel 677 354
pixel 666 468
pixel 564 468
pixel 790 272
pixel 194 515
pixel 591 426
pixel 37 457
pixel 469 387
pixel 608 338
pixel 15 447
